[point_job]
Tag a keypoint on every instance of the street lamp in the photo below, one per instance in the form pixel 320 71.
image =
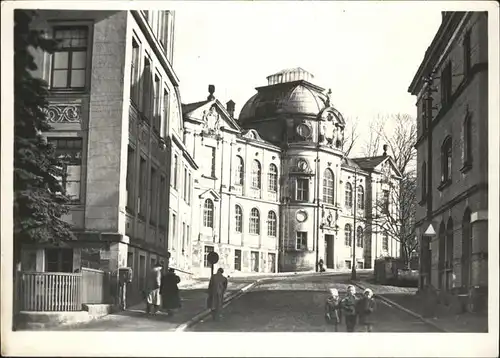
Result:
pixel 353 266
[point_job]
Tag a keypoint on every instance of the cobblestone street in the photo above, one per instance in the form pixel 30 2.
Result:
pixel 297 305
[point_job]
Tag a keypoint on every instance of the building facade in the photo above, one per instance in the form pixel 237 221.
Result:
pixel 275 189
pixel 115 109
pixel 452 159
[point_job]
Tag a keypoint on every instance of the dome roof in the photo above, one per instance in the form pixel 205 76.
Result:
pixel 297 96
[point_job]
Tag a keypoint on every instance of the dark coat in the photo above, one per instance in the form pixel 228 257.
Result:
pixel 333 313
pixel 349 305
pixel 366 306
pixel 216 289
pixel 169 291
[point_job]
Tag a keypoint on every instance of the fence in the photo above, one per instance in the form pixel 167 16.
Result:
pixel 95 286
pixel 50 291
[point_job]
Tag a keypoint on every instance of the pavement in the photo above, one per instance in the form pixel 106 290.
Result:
pixel 440 316
pixel 296 304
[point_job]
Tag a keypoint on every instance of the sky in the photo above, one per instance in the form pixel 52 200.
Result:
pixel 366 53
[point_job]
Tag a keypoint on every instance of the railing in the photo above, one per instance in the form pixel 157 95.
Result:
pixel 50 291
pixel 95 286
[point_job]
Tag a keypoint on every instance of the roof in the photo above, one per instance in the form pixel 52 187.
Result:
pixel 186 108
pixel 349 163
pixel 369 162
pixel 290 70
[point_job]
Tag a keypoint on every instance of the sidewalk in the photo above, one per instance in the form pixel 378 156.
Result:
pixel 442 316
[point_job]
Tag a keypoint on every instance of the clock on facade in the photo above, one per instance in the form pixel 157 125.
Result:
pixel 301 216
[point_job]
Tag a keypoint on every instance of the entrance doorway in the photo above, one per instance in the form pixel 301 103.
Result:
pixel 329 251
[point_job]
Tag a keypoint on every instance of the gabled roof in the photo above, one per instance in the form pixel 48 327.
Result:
pixel 194 111
pixel 210 192
pixel 349 163
pixel 370 162
pixel 189 107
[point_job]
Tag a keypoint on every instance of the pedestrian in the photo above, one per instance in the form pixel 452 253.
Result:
pixel 169 290
pixel 332 309
pixel 153 299
pixel 348 306
pixel 321 265
pixel 366 306
pixel 216 290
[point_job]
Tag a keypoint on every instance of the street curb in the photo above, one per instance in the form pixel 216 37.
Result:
pixel 410 312
pixel 227 301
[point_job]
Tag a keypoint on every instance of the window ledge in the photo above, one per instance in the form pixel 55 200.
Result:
pixel 466 167
pixel 444 184
pixel 208 177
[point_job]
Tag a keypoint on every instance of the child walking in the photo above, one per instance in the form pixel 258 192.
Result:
pixel 365 309
pixel 348 305
pixel 332 309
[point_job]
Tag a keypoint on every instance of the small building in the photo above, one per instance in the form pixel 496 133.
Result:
pixel 452 159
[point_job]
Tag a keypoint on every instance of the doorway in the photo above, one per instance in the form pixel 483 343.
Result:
pixel 329 251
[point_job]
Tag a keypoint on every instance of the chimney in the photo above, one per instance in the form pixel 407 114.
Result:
pixel 385 150
pixel 230 107
pixel 211 90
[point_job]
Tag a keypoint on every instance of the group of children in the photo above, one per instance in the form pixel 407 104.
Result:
pixel 350 307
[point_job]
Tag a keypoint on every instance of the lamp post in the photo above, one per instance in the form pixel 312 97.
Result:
pixel 353 266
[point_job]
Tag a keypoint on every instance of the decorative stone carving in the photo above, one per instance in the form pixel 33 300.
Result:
pixel 64 113
pixel 211 119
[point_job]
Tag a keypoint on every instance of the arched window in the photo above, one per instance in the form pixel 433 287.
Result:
pixel 449 254
pixel 423 181
pixel 348 235
pixel 328 187
pixel 441 254
pixel 359 236
pixel 348 195
pixel 240 170
pixel 273 178
pixel 254 221
pixel 256 171
pixel 271 224
pixel 361 198
pixel 238 217
pixel 208 213
pixel 446 151
pixel 466 249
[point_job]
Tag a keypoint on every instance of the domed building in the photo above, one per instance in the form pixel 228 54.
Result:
pixel 284 161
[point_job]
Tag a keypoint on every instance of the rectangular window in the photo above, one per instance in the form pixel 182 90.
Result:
pixel 176 166
pixel 142 187
pixel 385 242
pixel 348 264
pixel 58 260
pixel 163 213
pixel 255 261
pixel 157 104
pixel 301 240
pixel 188 236
pixel 385 202
pixel 302 193
pixel 205 255
pixel 153 197
pixel 446 85
pixel 189 189
pixel 130 178
pixel 164 118
pixel 210 170
pixel 134 77
pixel 183 237
pixel 174 230
pixel 467 53
pixel 186 184
pixel 69 151
pixel 69 60
pixel 237 260
pixel 467 139
pixel 147 92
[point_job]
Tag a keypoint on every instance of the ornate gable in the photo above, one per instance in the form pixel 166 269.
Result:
pixel 213 117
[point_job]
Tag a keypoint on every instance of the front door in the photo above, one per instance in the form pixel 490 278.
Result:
pixel 329 251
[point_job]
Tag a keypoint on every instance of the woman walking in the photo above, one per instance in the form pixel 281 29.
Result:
pixel 170 291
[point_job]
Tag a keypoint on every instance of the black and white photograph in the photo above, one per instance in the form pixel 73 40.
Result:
pixel 319 170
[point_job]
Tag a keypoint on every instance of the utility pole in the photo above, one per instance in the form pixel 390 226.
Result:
pixel 425 256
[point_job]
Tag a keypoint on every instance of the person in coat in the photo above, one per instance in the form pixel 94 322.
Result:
pixel 216 290
pixel 348 306
pixel 170 291
pixel 332 309
pixel 153 298
pixel 366 306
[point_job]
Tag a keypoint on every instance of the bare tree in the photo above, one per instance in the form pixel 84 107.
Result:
pixel 372 145
pixel 351 135
pixel 399 222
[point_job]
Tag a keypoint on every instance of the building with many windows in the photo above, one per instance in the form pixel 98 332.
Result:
pixel 452 147
pixel 115 110
pixel 275 189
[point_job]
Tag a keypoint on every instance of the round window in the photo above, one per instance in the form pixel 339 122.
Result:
pixel 304 130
